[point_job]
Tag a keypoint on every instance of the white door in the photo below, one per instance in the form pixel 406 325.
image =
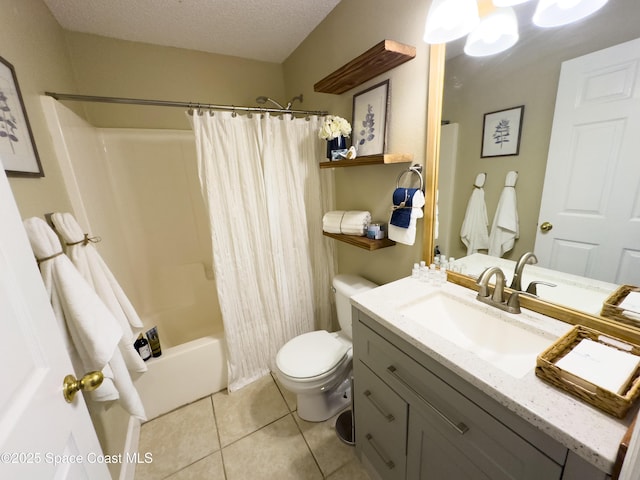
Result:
pixel 41 435
pixel 591 196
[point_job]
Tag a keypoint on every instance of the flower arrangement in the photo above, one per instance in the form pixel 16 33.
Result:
pixel 334 127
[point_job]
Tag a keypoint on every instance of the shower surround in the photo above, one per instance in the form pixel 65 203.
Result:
pixel 138 190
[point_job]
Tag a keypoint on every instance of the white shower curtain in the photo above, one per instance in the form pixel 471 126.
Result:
pixel 262 186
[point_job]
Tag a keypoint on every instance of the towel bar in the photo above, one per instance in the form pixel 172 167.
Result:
pixel 415 168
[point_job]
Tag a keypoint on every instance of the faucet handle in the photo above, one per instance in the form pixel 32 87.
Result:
pixel 513 304
pixel 532 286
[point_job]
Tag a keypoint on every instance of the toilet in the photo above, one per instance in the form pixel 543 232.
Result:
pixel 316 366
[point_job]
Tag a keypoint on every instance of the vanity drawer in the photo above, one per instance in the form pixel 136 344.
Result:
pixel 485 442
pixel 381 416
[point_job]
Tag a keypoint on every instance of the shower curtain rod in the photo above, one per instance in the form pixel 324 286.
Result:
pixel 169 103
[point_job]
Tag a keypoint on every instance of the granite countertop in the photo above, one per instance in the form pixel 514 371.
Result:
pixel 582 428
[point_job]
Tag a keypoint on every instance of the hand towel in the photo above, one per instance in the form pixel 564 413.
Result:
pixel 475 226
pixel 402 201
pixel 94 332
pixel 346 222
pixel 95 271
pixel 407 235
pixel 505 228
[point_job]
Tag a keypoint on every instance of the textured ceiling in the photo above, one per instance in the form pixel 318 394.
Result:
pixel 267 30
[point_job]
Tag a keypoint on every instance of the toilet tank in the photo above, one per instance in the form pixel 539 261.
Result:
pixel 345 287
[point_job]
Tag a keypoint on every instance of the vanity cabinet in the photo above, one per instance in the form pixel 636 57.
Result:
pixel 415 419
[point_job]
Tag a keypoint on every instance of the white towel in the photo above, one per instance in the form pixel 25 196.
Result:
pixel 92 267
pixel 408 235
pixel 505 228
pixel 93 330
pixel 352 222
pixel 475 227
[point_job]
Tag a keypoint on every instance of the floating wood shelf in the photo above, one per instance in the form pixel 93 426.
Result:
pixel 370 160
pixel 362 242
pixel 382 57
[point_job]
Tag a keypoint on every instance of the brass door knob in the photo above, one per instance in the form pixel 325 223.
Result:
pixel 546 226
pixel 89 382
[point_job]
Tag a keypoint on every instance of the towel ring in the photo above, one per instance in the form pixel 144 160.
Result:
pixel 417 169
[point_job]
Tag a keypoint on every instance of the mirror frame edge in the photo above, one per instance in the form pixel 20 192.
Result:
pixel 435 93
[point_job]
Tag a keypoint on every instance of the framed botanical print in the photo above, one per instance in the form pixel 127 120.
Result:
pixel 18 153
pixel 370 108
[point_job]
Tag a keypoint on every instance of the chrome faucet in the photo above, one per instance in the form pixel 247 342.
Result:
pixel 525 258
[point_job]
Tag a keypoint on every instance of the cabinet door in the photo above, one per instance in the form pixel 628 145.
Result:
pixel 431 456
pixel 381 423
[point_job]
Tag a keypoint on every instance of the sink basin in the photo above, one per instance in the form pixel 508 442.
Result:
pixel 507 344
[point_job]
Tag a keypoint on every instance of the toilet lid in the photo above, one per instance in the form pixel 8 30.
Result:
pixel 310 354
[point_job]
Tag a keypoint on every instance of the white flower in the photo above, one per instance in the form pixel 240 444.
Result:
pixel 334 127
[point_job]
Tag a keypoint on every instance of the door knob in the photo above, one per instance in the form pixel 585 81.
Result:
pixel 546 226
pixel 89 382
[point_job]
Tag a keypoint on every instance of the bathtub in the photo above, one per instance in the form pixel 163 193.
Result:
pixel 182 374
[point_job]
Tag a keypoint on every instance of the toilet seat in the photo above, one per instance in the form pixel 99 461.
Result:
pixel 311 355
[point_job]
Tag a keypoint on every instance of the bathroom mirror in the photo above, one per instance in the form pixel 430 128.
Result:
pixel 617 22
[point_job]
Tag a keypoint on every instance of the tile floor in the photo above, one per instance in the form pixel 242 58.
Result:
pixel 254 433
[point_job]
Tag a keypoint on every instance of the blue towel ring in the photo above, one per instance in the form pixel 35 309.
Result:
pixel 416 169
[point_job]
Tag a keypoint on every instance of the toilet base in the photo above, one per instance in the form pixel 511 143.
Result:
pixel 322 406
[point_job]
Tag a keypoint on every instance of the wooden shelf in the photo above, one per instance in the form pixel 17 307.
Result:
pixel 382 57
pixel 362 242
pixel 370 160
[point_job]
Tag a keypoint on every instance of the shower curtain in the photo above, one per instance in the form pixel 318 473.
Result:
pixel 263 190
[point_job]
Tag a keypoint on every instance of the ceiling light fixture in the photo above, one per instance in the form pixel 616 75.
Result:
pixel 449 20
pixel 555 13
pixel 496 32
pixel 492 30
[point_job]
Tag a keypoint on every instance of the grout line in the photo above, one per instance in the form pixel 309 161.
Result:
pixel 215 420
pixel 308 446
pixel 278 386
pixel 256 430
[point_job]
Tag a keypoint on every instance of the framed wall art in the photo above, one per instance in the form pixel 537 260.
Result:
pixel 18 153
pixel 370 109
pixel 501 132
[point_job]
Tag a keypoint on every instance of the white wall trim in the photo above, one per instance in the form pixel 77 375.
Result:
pixel 128 469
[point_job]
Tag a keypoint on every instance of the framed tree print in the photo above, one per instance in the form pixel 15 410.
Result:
pixel 18 153
pixel 501 132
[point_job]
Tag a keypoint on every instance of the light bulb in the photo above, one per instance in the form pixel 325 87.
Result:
pixel 554 13
pixel 508 3
pixel 449 20
pixel 496 32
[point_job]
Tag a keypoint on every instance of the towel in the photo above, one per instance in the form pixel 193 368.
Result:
pixel 408 235
pixel 94 332
pixel 346 222
pixel 95 271
pixel 475 226
pixel 403 201
pixel 505 228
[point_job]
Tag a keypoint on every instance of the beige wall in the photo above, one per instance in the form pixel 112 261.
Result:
pixel 33 42
pixel 525 75
pixel 353 27
pixel 117 68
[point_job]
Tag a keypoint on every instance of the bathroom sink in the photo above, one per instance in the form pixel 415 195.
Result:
pixel 506 343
